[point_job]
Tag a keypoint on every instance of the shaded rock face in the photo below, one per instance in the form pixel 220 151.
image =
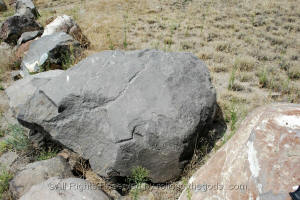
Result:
pixel 26 8
pixel 66 24
pixel 2 6
pixel 126 109
pixel 13 27
pixel 49 52
pixel 65 189
pixel 261 161
pixel 22 90
pixel 38 172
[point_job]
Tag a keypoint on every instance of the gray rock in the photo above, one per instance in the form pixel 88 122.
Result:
pixel 49 52
pixel 65 189
pixel 26 8
pixel 38 172
pixel 27 36
pixel 22 90
pixel 13 27
pixel 7 159
pixel 3 6
pixel 6 53
pixel 120 110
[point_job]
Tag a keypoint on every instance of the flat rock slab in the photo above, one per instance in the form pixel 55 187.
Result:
pixel 49 52
pixel 261 161
pixel 20 91
pixel 65 189
pixel 38 172
pixel 120 110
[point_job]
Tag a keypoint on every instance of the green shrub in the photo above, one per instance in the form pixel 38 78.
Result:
pixel 139 175
pixel 5 177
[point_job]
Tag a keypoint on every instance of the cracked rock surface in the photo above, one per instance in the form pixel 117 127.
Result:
pixel 126 109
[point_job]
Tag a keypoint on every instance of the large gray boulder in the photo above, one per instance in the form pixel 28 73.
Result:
pixel 38 172
pixel 22 90
pixel 49 52
pixel 3 6
pixel 26 8
pixel 65 189
pixel 120 110
pixel 13 27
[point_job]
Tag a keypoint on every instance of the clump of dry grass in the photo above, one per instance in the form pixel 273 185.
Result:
pixel 245 63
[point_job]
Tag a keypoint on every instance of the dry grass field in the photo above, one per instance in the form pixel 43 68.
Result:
pixel 252 47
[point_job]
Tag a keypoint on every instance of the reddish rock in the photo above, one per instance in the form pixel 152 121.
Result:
pixel 260 162
pixel 22 49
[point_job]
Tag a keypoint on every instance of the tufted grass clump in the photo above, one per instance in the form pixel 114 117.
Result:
pixel 17 140
pixel 5 177
pixel 245 63
pixel 47 154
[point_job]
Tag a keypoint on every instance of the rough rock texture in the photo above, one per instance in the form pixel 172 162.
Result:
pixel 261 161
pixel 22 90
pixel 13 27
pixel 49 52
pixel 66 24
pixel 6 52
pixel 2 6
pixel 27 36
pixel 21 51
pixel 7 159
pixel 65 189
pixel 38 172
pixel 26 8
pixel 126 109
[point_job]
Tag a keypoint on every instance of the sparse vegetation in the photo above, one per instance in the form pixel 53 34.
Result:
pixel 139 175
pixel 188 189
pixel 46 154
pixel 5 177
pixel 231 85
pixel 244 63
pixel 263 78
pixel 17 140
